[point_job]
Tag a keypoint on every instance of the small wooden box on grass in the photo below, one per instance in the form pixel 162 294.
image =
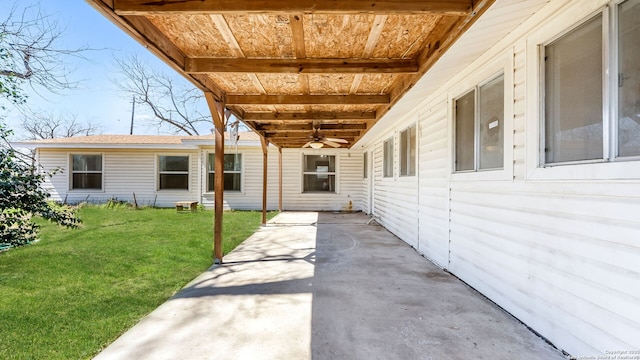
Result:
pixel 187 205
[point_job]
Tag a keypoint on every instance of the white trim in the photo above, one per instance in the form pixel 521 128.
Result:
pixel 69 176
pixel 241 172
pixel 413 125
pixel 599 169
pixel 157 172
pixel 500 65
pixel 103 146
pixel 391 138
pixel 336 173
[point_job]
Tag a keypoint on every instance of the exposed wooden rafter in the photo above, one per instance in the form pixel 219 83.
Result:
pixel 288 67
pixel 317 115
pixel 301 66
pixel 144 7
pixel 310 127
pixel 306 99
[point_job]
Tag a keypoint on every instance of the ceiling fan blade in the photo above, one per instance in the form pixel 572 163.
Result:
pixel 307 144
pixel 330 143
pixel 342 141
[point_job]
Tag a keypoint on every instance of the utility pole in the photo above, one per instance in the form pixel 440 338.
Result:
pixel 133 111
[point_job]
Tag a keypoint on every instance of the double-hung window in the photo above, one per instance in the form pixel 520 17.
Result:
pixel 591 114
pixel 365 165
pixel 232 172
pixel 319 174
pixel 408 151
pixel 86 172
pixel 387 158
pixel 479 127
pixel 173 172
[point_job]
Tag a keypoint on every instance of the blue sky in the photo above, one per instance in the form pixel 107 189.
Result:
pixel 97 98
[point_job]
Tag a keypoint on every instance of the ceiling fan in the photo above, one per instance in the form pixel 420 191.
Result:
pixel 318 140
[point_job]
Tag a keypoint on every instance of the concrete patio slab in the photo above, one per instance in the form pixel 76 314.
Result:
pixel 327 286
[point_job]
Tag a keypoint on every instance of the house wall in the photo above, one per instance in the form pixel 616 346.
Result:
pixel 125 172
pixel 348 180
pixel 557 247
pixel 395 198
pixel 129 171
pixel 250 198
pixel 348 196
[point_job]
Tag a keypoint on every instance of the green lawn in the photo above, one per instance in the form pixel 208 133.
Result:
pixel 75 291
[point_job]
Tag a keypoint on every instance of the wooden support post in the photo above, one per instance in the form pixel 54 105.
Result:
pixel 217 114
pixel 280 179
pixel 265 153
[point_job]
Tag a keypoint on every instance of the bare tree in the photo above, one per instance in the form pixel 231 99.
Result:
pixel 30 43
pixel 173 103
pixel 48 126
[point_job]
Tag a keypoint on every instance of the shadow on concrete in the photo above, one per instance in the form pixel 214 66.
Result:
pixel 328 286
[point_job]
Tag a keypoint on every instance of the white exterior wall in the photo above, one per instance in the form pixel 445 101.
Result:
pixel 396 197
pixel 433 175
pixel 348 181
pixel 250 197
pixel 125 172
pixel 129 171
pixel 557 247
pixel 348 196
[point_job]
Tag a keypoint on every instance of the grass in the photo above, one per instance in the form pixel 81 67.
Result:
pixel 74 292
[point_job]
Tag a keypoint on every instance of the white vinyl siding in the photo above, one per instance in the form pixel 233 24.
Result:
pixel 126 173
pixel 434 183
pixel 557 248
pixel 349 182
pixel 395 198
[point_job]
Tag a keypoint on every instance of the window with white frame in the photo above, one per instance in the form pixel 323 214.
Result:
pixel 479 127
pixel 365 165
pixel 408 151
pixel 232 172
pixel 86 171
pixel 579 125
pixel 173 172
pixel 387 158
pixel 319 173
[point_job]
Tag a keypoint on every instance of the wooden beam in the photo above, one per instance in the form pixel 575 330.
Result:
pixel 265 154
pixel 272 136
pixel 448 31
pixel 306 99
pixel 309 127
pixel 144 7
pixel 217 114
pixel 372 41
pixel 316 115
pixel 280 179
pixel 301 66
pixel 297 33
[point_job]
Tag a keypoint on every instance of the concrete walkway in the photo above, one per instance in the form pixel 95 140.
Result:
pixel 327 286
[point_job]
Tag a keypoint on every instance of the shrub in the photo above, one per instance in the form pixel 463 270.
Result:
pixel 22 196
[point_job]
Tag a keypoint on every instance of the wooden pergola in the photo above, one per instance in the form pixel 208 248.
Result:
pixel 294 71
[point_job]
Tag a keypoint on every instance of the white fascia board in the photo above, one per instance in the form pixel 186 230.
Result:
pixel 247 143
pixel 104 146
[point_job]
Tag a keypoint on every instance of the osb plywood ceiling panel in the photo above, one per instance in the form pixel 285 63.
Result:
pixel 302 70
